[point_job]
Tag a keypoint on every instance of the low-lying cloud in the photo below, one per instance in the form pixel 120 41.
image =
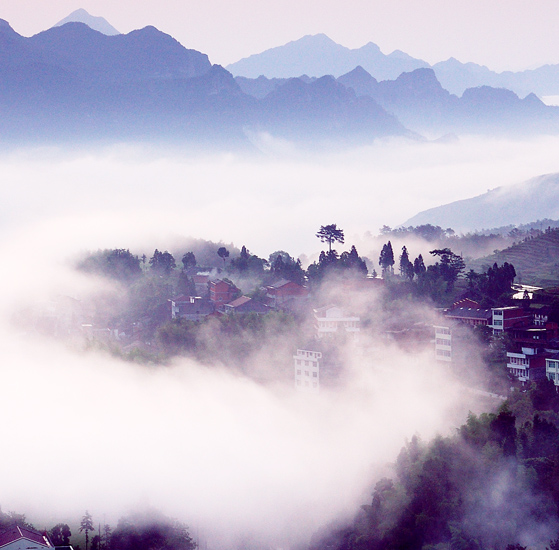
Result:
pixel 203 443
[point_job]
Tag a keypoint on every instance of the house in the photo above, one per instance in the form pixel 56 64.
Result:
pixel 222 292
pixel 244 304
pixel 443 343
pixel 201 281
pixel 285 294
pixel 552 368
pixel 504 318
pixel 22 538
pixel 317 364
pixel 331 320
pixel 191 308
pixel 470 315
pixel 307 370
pixel 527 365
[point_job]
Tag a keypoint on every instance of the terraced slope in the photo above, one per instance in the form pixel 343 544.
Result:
pixel 536 260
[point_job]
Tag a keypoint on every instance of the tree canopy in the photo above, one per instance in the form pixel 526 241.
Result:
pixel 330 234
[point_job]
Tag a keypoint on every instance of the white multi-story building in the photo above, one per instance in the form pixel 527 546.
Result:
pixel 307 370
pixel 443 343
pixel 330 320
pixel 552 368
pixel 528 365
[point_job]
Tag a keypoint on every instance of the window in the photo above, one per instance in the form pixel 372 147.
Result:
pixel 307 373
pixel 299 371
pixel 315 374
pixel 298 382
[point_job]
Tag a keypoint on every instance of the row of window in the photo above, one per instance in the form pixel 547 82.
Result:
pixel 306 363
pixel 307 373
pixel 443 352
pixel 518 361
pixel 442 342
pixel 307 384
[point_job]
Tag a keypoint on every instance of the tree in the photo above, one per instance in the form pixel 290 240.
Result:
pixel 189 260
pixel 107 533
pixel 450 265
pixel 86 525
pixel 162 262
pixel 406 267
pixel 351 260
pixel 118 264
pixel 60 534
pixel 330 234
pixel 223 253
pixel 386 259
pixel 419 266
pixel 283 266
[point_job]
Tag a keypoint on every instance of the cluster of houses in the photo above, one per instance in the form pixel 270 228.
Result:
pixel 23 538
pixel 532 339
pixel 222 297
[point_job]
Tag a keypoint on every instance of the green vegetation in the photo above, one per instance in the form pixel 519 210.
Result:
pixel 494 483
pixel 536 258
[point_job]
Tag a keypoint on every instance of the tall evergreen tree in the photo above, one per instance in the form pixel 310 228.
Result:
pixel 86 525
pixel 406 267
pixel 386 259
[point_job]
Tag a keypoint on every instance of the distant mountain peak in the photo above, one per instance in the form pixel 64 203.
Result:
pixel 99 24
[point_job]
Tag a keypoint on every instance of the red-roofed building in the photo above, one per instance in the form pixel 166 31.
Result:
pixel 21 538
pixel 285 292
pixel 222 292
pixel 244 304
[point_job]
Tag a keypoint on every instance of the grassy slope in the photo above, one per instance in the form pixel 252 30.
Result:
pixel 536 260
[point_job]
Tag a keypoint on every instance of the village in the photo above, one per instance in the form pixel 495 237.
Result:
pixel 228 312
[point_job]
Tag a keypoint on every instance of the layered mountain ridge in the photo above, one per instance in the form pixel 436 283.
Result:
pixel 318 55
pixel 71 82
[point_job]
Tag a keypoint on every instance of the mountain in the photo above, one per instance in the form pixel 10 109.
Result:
pixel 534 259
pixel 138 55
pixel 317 55
pixel 515 204
pixel 323 108
pixel 422 104
pixel 99 24
pixel 457 77
pixel 74 83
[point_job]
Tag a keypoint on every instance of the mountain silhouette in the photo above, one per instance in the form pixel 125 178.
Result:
pixel 96 23
pixel 317 55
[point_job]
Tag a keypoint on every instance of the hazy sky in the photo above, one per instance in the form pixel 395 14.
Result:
pixel 511 34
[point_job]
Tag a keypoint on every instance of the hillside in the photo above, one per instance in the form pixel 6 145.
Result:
pixel 524 202
pixel 536 260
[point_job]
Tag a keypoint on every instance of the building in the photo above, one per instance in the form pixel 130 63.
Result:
pixel 307 370
pixel 504 318
pixel 443 343
pixel 552 368
pixel 285 294
pixel 331 320
pixel 222 292
pixel 201 281
pixel 21 538
pixel 191 308
pixel 470 316
pixel 527 365
pixel 244 304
